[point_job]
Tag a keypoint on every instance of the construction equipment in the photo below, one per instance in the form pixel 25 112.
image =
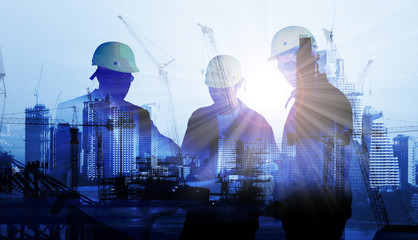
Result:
pixel 74 161
pixel 332 51
pixel 99 154
pixel 223 71
pixel 362 77
pixel 56 103
pixel 39 84
pixel 52 122
pixel 209 38
pixel 375 196
pixel 376 199
pixel 165 86
pixel 2 88
pixel 28 180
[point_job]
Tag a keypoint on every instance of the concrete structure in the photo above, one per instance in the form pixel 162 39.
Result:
pixel 152 108
pixel 60 152
pixel 227 155
pixel 384 167
pixel 257 157
pixel 404 149
pixel 37 134
pixel 118 144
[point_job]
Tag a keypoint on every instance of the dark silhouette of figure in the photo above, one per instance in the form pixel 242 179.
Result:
pixel 227 118
pixel 210 130
pixel 115 64
pixel 319 120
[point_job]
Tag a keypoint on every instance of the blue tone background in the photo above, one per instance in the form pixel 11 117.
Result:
pixel 62 36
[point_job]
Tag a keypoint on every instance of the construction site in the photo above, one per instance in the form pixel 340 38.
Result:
pixel 100 167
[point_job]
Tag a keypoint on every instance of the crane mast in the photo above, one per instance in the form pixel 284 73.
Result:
pixel 2 88
pixel 375 196
pixel 376 199
pixel 209 39
pixel 212 49
pixel 362 77
pixel 165 85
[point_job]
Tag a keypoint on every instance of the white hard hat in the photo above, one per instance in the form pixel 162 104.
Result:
pixel 288 38
pixel 115 56
pixel 223 71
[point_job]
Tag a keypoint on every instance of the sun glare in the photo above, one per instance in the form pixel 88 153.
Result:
pixel 266 89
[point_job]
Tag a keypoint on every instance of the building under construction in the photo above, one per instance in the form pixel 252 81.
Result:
pixel 117 144
pixel 37 135
pixel 384 167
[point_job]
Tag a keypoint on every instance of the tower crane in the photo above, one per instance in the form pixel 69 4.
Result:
pixel 333 59
pixel 209 39
pixel 212 49
pixel 56 103
pixel 376 199
pixel 39 84
pixel 219 66
pixel 332 48
pixel 375 196
pixel 161 67
pixel 2 88
pixel 362 77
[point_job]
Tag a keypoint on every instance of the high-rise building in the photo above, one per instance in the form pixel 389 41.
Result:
pixel 37 134
pixel 60 149
pixel 257 157
pixel 114 147
pixel 60 152
pixel 152 108
pixel 404 149
pixel 288 168
pixel 244 158
pixel 339 80
pixel 384 167
pixel 336 76
pixel 227 154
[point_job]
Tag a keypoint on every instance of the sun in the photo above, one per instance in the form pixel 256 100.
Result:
pixel 266 91
pixel 265 88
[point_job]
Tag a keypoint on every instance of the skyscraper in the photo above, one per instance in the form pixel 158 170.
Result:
pixel 384 167
pixel 60 152
pixel 404 149
pixel 37 134
pixel 152 109
pixel 227 154
pixel 113 147
pixel 257 157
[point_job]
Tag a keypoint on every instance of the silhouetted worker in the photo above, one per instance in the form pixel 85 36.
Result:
pixel 319 121
pixel 115 64
pixel 228 118
pixel 224 126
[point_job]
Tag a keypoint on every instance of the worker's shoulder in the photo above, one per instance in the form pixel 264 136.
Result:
pixel 251 114
pixel 73 102
pixel 205 111
pixel 142 111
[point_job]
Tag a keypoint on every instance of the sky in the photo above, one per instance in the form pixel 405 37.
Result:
pixel 60 37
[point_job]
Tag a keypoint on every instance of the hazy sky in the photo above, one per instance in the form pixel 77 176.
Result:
pixel 62 36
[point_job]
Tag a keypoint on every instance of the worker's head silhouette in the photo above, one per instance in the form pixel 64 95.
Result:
pixel 223 77
pixel 115 64
pixel 284 48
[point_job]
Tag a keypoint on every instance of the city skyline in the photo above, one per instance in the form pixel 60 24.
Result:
pixel 356 44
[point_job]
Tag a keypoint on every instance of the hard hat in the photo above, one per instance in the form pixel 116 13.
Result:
pixel 223 71
pixel 115 56
pixel 288 38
